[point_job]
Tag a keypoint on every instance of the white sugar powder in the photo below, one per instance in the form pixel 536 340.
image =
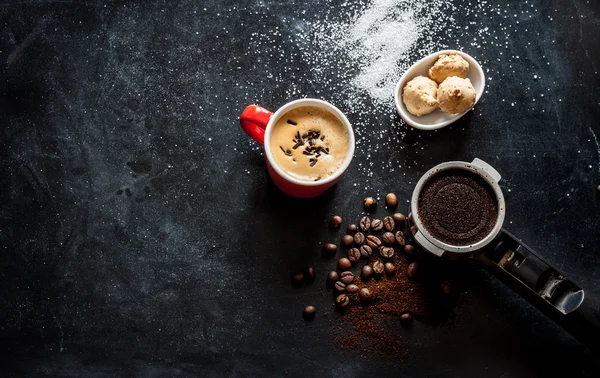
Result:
pixel 377 40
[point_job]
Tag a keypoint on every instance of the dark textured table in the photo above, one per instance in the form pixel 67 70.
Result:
pixel 140 234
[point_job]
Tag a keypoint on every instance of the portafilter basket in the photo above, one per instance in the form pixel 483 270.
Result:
pixel 437 247
pixel 514 263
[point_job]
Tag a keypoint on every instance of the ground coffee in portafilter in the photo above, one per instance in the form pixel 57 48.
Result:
pixel 458 207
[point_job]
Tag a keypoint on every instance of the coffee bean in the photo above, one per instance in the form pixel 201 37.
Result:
pixel 359 238
pixel 347 241
pixel 391 201
pixel 412 270
pixel 364 294
pixel 347 277
pixel 370 203
pixel 409 249
pixel 399 218
pixel 406 318
pixel 373 242
pixel 388 238
pixel 351 289
pixel 332 276
pixel 309 274
pixel 342 300
pixel 309 312
pixel 339 286
pixel 344 264
pixel 365 251
pixel 366 272
pixel 410 217
pixel 365 223
pixel 335 221
pixel 330 248
pixel 387 252
pixel 378 267
pixel 353 255
pixel 376 225
pixel 446 287
pixel 598 188
pixel 389 223
pixel 413 230
pixel 297 278
pixel 400 239
pixel 390 269
pixel 352 229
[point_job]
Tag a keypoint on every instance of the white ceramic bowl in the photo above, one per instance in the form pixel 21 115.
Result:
pixel 437 119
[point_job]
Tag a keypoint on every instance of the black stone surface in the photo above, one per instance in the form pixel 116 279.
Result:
pixel 140 234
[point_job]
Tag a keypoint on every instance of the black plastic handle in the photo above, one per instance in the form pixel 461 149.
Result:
pixel 565 302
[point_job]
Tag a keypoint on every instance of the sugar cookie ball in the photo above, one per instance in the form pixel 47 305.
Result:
pixel 456 95
pixel 449 65
pixel 419 96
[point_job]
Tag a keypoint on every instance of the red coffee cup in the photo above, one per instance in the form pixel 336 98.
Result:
pixel 258 123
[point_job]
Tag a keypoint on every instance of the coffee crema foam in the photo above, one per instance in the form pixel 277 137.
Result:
pixel 309 143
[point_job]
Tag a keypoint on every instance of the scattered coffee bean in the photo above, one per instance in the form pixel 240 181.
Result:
pixel 388 238
pixel 344 264
pixel 598 188
pixel 370 203
pixel 409 249
pixel 387 252
pixel 389 223
pixel 446 287
pixel 309 274
pixel 353 255
pixel 347 277
pixel 342 300
pixel 335 221
pixel 365 224
pixel 376 225
pixel 373 242
pixel 351 289
pixel 297 278
pixel 339 286
pixel 309 312
pixel 378 267
pixel 412 270
pixel 365 251
pixel 359 238
pixel 352 229
pixel 347 241
pixel 391 201
pixel 390 269
pixel 400 239
pixel 413 230
pixel 399 218
pixel 330 248
pixel 406 318
pixel 366 272
pixel 332 276
pixel 364 294
pixel 410 218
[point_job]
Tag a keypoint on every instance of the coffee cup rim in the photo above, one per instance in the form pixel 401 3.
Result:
pixel 319 104
pixel 479 171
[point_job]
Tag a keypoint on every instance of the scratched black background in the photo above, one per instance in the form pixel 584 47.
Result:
pixel 140 234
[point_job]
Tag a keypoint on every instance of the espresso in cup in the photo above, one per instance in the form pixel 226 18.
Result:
pixel 309 143
pixel 458 207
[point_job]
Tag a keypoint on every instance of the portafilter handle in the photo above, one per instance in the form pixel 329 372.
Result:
pixel 544 286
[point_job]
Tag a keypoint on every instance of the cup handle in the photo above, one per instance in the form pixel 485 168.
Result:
pixel 254 120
